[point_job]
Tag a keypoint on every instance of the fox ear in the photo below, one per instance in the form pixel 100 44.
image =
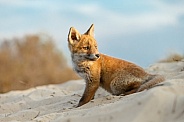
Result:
pixel 90 31
pixel 73 36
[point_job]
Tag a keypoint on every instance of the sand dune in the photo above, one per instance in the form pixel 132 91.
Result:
pixel 57 103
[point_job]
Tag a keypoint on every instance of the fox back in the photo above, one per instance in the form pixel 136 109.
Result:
pixel 115 75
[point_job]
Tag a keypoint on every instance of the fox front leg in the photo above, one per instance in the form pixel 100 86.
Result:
pixel 88 93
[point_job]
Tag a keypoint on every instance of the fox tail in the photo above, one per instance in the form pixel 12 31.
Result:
pixel 155 79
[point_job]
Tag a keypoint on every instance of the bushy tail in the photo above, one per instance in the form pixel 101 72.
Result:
pixel 150 83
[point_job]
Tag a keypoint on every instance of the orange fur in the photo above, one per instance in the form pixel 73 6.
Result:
pixel 114 75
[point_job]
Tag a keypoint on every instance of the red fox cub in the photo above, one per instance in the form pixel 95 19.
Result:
pixel 114 75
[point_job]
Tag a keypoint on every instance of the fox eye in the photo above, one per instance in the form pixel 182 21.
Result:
pixel 86 48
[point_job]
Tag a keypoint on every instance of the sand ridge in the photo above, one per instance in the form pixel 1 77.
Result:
pixel 57 103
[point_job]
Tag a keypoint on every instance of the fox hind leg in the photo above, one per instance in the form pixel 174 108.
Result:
pixel 120 87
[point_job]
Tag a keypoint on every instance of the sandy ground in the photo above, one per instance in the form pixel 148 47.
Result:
pixel 57 103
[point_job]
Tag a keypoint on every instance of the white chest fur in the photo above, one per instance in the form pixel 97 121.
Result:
pixel 83 68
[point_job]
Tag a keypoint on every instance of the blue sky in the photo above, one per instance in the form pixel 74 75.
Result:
pixel 141 31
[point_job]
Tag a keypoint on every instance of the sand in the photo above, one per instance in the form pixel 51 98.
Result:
pixel 57 103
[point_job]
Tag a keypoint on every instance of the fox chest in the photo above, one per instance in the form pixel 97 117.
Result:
pixel 83 70
pixel 83 73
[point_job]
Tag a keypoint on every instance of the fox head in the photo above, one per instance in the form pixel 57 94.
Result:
pixel 83 47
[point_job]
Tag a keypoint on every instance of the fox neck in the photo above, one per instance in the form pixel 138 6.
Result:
pixel 81 65
pixel 77 58
pixel 80 61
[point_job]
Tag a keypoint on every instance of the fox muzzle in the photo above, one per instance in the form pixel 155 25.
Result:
pixel 93 57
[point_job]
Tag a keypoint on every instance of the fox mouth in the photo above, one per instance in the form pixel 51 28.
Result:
pixel 83 57
pixel 92 57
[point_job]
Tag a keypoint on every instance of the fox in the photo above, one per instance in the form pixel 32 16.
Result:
pixel 116 76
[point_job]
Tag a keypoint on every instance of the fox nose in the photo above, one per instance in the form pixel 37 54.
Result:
pixel 97 55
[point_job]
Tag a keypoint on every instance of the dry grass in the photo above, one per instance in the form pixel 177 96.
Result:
pixel 173 57
pixel 31 61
